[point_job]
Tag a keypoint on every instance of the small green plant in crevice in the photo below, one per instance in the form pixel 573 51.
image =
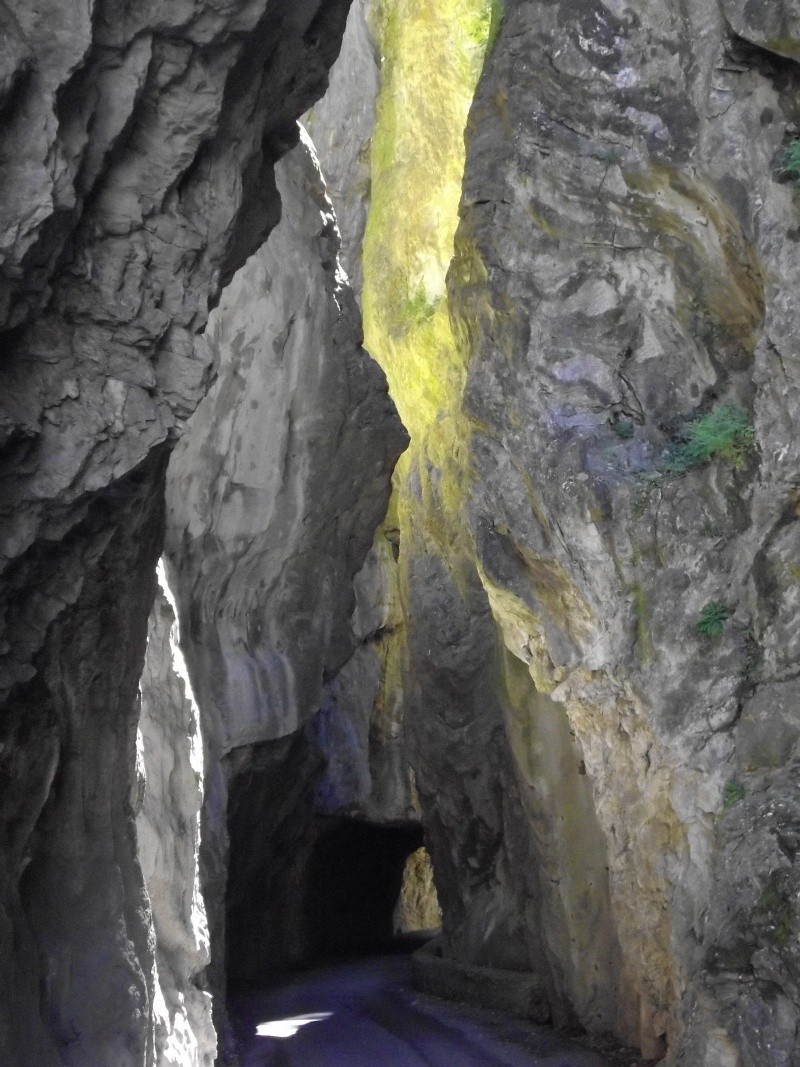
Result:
pixel 710 529
pixel 752 655
pixel 725 433
pixel 734 792
pixel 783 931
pixel 622 427
pixel 713 618
pixel 790 161
pixel 417 309
pixel 498 13
pixel 484 26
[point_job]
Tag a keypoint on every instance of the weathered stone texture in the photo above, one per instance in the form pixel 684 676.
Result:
pixel 276 490
pixel 774 26
pixel 77 975
pixel 137 143
pixel 341 126
pixel 168 833
pixel 626 262
pixel 274 494
pixel 742 1009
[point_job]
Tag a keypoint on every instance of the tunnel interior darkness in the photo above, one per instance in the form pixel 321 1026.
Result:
pixel 303 886
pixel 354 880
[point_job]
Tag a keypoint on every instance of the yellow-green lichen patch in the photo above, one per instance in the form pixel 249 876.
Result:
pixel 479 317
pixel 432 56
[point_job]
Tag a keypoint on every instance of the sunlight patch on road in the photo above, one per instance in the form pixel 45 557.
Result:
pixel 289 1027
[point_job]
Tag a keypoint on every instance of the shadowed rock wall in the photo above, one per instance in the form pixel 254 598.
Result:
pixel 274 495
pixel 137 147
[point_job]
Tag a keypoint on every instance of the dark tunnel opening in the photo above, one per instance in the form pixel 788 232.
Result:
pixel 304 887
pixel 354 879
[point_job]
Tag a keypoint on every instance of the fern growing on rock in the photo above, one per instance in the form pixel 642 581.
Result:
pixel 725 433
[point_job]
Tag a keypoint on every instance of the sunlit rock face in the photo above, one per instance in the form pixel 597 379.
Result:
pixel 418 906
pixel 341 126
pixel 626 263
pixel 138 144
pixel 274 495
pixel 606 775
pixel 168 831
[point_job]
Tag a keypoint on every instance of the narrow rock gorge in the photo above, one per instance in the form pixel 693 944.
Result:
pixel 540 617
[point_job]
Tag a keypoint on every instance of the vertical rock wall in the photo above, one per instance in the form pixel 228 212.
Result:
pixel 168 833
pixel 593 642
pixel 341 125
pixel 607 773
pixel 138 143
pixel 274 495
pixel 625 268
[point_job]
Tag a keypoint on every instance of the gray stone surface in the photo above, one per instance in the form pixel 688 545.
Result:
pixel 609 795
pixel 517 993
pixel 742 1009
pixel 168 833
pixel 341 126
pixel 626 262
pixel 275 491
pixel 627 252
pixel 274 494
pixel 137 144
pixel 774 26
pixel 77 974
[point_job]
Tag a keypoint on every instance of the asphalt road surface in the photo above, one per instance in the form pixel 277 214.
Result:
pixel 365 1014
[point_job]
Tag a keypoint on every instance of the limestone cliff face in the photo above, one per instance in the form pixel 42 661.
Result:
pixel 623 284
pixel 343 124
pixel 274 494
pixel 597 517
pixel 138 144
pixel 581 616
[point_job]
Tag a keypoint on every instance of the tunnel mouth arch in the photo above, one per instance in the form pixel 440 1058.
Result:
pixel 310 889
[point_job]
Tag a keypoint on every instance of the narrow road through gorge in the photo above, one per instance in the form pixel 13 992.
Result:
pixel 366 1014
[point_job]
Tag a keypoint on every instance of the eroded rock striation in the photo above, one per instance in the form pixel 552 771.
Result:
pixel 341 126
pixel 138 144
